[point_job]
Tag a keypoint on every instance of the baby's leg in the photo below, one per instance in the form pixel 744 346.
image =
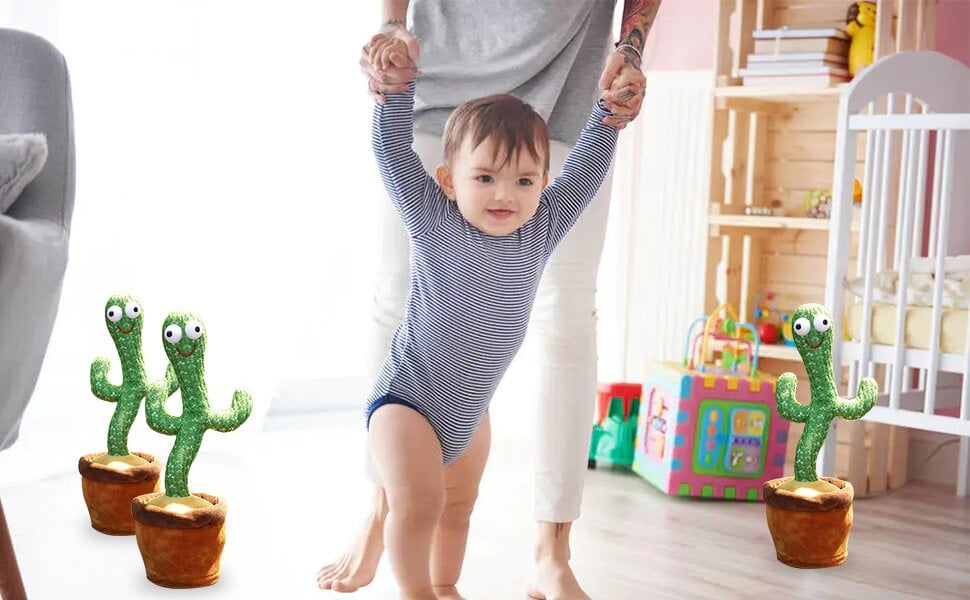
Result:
pixel 461 489
pixel 408 457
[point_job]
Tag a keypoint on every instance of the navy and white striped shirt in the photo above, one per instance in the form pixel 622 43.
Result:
pixel 470 293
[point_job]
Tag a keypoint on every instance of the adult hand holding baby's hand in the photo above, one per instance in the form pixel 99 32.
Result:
pixel 388 60
pixel 623 86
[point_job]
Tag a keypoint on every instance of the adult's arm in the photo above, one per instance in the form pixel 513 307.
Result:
pixel 622 81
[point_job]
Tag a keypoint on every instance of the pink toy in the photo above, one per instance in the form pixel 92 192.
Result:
pixel 709 431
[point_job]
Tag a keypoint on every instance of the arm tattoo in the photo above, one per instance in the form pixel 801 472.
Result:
pixel 393 25
pixel 638 18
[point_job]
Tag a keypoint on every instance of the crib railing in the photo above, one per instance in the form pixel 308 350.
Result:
pixel 917 127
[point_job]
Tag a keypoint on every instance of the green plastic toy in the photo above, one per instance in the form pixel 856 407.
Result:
pixel 614 437
pixel 183 336
pixel 812 327
pixel 123 318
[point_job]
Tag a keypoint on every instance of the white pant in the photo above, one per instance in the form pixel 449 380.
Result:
pixel 564 318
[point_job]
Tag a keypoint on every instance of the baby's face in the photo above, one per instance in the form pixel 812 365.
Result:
pixel 496 198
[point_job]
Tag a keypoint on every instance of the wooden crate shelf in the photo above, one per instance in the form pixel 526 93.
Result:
pixel 765 222
pixel 767 99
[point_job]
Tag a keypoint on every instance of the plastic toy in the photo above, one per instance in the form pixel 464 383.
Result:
pixel 810 518
pixel 735 341
pixel 181 535
pixel 860 24
pixel 109 481
pixel 787 336
pixel 817 203
pixel 775 209
pixel 706 428
pixel 615 431
pixel 768 319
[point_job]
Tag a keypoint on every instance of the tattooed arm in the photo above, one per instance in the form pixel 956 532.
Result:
pixel 395 12
pixel 638 18
pixel 622 82
pixel 385 76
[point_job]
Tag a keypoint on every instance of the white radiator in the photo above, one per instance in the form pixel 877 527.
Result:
pixel 660 198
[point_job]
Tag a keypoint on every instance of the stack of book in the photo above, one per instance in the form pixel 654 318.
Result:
pixel 809 57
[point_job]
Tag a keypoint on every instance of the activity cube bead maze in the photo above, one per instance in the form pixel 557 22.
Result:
pixel 711 429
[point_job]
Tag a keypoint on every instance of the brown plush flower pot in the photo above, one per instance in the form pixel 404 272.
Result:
pixel 180 550
pixel 108 492
pixel 809 533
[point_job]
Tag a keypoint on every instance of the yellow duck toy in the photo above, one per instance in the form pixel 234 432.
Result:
pixel 860 24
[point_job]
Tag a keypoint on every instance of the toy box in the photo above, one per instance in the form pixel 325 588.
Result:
pixel 710 428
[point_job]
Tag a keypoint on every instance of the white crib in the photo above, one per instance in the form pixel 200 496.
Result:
pixel 916 176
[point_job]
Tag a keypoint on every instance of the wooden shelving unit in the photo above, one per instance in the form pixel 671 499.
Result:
pixel 779 351
pixel 761 99
pixel 768 222
pixel 775 144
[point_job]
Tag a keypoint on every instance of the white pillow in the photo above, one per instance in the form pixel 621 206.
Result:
pixel 22 156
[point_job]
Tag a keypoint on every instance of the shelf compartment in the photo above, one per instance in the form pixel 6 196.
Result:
pixel 771 98
pixel 774 351
pixel 768 222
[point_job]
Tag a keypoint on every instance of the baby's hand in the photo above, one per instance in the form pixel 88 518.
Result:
pixel 389 52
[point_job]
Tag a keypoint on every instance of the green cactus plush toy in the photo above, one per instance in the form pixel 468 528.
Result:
pixel 183 336
pixel 123 318
pixel 812 329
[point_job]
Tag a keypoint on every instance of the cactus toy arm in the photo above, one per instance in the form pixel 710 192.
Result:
pixel 100 386
pixel 155 413
pixel 861 404
pixel 171 381
pixel 242 406
pixel 788 406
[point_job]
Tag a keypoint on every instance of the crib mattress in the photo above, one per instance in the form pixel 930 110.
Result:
pixel 953 328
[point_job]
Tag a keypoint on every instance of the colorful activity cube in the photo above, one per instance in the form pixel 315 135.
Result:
pixel 709 434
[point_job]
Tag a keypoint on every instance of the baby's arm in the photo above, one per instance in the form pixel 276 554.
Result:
pixel 582 174
pixel 413 192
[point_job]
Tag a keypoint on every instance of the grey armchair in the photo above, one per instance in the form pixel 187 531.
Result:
pixel 35 96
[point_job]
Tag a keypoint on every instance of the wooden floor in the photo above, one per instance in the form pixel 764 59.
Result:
pixel 296 492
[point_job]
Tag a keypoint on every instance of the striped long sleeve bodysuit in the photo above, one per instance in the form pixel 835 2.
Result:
pixel 470 293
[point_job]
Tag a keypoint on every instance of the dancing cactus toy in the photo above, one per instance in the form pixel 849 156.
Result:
pixel 810 517
pixel 183 336
pixel 181 535
pixel 123 318
pixel 812 327
pixel 109 481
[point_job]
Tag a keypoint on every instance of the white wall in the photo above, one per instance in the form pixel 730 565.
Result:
pixel 224 166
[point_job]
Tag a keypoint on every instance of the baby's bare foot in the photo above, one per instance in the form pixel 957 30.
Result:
pixel 447 592
pixel 555 581
pixel 356 568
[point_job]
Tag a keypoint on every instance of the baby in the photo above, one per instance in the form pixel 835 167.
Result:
pixel 481 231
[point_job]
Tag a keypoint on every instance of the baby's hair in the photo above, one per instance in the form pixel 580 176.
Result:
pixel 511 123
